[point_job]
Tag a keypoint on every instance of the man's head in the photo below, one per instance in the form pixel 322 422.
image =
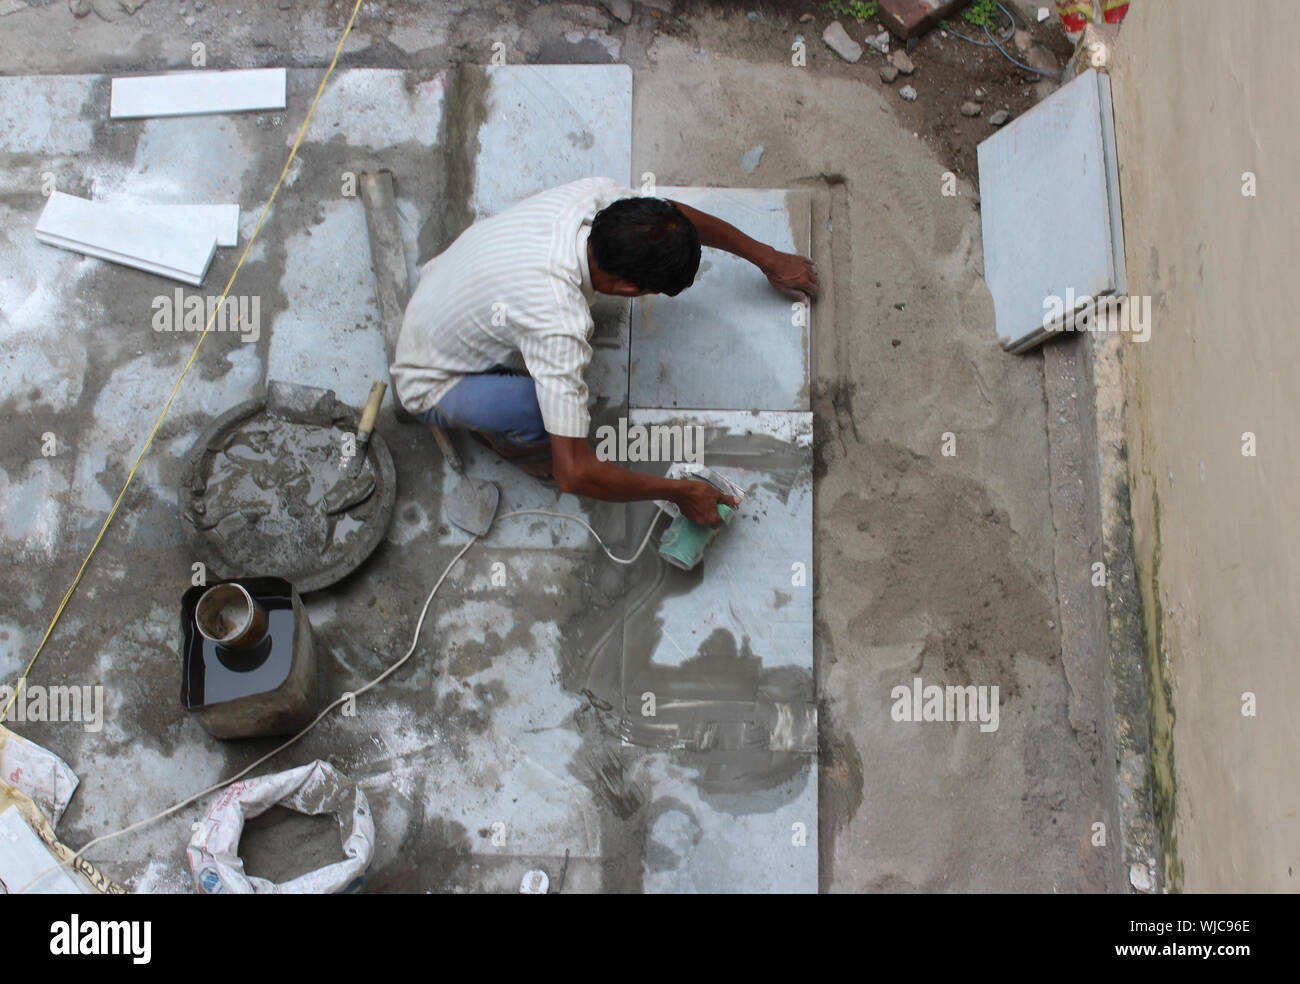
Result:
pixel 643 246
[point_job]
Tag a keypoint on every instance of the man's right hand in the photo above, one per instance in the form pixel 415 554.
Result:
pixel 699 502
pixel 578 471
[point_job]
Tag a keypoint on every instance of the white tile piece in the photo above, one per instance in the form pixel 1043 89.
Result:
pixel 222 221
pixel 25 862
pixel 110 233
pixel 191 93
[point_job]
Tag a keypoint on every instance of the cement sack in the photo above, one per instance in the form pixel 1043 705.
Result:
pixel 316 788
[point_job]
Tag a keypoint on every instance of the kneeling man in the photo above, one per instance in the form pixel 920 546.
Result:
pixel 497 335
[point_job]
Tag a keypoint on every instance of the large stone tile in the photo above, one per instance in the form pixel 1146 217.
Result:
pixel 718 674
pixel 1050 224
pixel 546 125
pixel 731 341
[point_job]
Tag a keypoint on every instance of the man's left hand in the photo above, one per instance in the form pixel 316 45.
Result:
pixel 793 275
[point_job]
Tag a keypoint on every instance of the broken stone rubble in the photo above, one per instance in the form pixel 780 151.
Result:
pixel 621 9
pixel 880 42
pixel 838 40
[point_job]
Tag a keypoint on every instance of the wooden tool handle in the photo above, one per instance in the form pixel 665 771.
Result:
pixel 368 415
pixel 447 448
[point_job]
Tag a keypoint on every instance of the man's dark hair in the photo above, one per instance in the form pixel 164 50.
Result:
pixel 647 241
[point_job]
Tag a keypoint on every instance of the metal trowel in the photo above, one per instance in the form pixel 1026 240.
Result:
pixel 354 488
pixel 472 504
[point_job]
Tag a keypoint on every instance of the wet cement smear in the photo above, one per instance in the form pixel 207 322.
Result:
pixel 782 465
pixel 600 764
pixel 275 495
pixel 743 725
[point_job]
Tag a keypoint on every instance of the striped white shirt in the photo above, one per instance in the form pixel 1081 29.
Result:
pixel 514 287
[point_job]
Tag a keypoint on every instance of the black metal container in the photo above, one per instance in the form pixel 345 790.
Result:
pixel 265 686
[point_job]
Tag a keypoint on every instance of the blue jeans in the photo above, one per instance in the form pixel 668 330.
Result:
pixel 500 404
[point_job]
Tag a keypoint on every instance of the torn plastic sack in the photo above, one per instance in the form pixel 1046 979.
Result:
pixel 37 784
pixel 316 788
pixel 38 773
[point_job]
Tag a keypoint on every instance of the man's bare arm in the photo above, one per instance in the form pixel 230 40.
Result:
pixel 790 273
pixel 578 471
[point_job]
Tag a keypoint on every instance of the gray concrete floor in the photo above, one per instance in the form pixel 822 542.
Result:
pixel 930 565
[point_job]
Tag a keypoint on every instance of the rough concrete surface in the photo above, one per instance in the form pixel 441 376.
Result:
pixel 926 564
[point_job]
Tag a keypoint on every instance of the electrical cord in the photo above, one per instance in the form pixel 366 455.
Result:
pixel 579 519
pixel 415 637
pixel 1010 31
pixel 993 42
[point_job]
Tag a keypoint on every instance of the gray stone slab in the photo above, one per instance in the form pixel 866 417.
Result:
pixel 725 652
pixel 374 109
pixel 697 843
pixel 545 125
pixel 731 341
pixel 1047 211
pixel 330 334
pixel 187 160
pixel 496 757
pixel 754 582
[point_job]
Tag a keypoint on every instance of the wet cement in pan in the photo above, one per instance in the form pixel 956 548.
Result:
pixel 276 488
pixel 744 726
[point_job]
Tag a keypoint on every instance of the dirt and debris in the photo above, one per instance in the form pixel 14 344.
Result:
pixel 947 71
pixel 838 40
pixel 898 58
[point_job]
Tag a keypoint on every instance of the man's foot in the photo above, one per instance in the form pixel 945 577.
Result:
pixel 531 461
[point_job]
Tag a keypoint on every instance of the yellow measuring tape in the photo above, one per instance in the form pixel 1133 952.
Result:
pixel 67 595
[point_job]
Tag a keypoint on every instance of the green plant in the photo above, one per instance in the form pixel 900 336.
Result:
pixel 858 9
pixel 981 12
